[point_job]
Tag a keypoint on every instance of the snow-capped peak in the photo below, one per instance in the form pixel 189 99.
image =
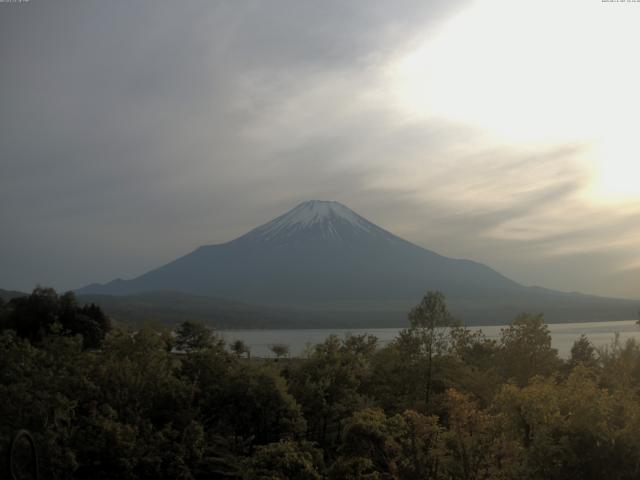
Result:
pixel 319 211
pixel 326 216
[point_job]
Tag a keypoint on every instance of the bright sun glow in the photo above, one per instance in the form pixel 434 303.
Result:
pixel 540 72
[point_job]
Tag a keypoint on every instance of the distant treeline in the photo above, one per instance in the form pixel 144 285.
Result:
pixel 438 402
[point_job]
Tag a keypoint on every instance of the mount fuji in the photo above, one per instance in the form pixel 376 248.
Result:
pixel 324 257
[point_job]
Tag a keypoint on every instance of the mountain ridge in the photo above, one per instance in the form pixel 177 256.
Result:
pixel 323 253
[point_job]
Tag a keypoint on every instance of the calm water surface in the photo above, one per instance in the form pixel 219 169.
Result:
pixel 562 335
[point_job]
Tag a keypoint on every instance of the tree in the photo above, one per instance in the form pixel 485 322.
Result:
pixel 240 400
pixel 473 347
pixel 138 377
pixel 33 317
pixel 363 345
pixel 525 349
pixel 4 314
pixel 405 446
pixel 327 386
pixel 193 336
pixel 473 368
pixel 583 352
pixel 416 446
pixel 572 428
pixel 45 313
pixel 430 328
pixel 101 319
pixel 396 378
pixel 474 441
pixel 620 362
pixel 240 348
pixel 40 389
pixel 285 459
pixel 279 350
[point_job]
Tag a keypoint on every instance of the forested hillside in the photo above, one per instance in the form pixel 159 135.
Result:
pixel 439 402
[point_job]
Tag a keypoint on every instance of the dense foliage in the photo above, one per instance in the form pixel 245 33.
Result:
pixel 438 402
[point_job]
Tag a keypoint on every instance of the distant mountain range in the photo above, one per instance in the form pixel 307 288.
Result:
pixel 323 264
pixel 7 295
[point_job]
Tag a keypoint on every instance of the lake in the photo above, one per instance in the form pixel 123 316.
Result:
pixel 562 335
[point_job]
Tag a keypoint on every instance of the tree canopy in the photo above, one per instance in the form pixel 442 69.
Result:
pixel 146 404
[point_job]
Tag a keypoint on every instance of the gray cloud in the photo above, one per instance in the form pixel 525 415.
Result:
pixel 132 132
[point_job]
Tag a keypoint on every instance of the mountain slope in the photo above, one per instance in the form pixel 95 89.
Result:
pixel 323 256
pixel 7 295
pixel 170 308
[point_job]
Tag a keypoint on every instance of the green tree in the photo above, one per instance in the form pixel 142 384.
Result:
pixel 363 346
pixel 328 386
pixel 40 390
pixel 620 364
pixel 430 330
pixel 573 428
pixel 138 377
pixel 240 400
pixel 525 349
pixel 279 350
pixel 193 336
pixel 34 317
pixel 4 312
pixel 44 313
pixel 404 446
pixel 284 460
pixel 474 440
pixel 582 352
pixel 475 366
pixel 97 325
pixel 239 348
pixel 473 347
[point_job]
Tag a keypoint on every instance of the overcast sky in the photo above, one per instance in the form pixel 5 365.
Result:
pixel 132 132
